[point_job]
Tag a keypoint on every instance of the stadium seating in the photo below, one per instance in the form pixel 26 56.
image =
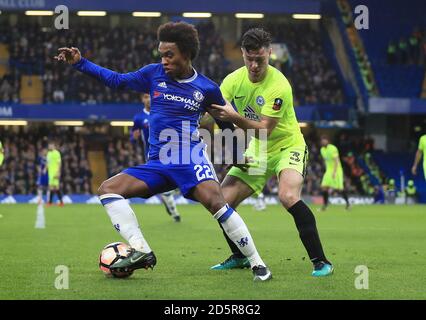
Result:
pixel 4 60
pixel 18 173
pixel 390 84
pixel 396 164
pixel 31 90
pixel 314 78
pixel 391 21
pixel 98 167
pixel 33 77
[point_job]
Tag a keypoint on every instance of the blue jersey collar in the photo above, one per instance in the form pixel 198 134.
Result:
pixel 195 75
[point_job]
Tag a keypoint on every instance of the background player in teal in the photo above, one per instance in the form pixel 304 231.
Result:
pixel 421 152
pixel 410 193
pixel 333 179
pixel 140 132
pixel 54 165
pixel 179 97
pixel 1 154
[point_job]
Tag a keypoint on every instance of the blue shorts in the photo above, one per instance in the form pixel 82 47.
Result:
pixel 43 180
pixel 161 178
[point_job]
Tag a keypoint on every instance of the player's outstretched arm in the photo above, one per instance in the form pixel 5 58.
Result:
pixel 112 79
pixel 227 113
pixel 416 162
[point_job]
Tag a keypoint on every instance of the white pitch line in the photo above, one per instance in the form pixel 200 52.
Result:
pixel 40 219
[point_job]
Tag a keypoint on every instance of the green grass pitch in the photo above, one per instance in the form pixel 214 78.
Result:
pixel 389 240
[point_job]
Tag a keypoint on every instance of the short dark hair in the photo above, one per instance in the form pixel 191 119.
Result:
pixel 255 39
pixel 185 36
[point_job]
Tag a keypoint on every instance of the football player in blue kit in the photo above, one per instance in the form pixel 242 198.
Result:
pixel 42 176
pixel 140 132
pixel 177 159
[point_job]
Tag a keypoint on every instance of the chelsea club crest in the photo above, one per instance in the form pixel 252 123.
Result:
pixel 260 100
pixel 198 96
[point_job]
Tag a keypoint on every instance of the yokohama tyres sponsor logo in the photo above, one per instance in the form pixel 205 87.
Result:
pixel 172 97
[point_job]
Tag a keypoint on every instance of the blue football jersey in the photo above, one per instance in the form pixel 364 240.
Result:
pixel 42 162
pixel 141 122
pixel 176 105
pixel 42 178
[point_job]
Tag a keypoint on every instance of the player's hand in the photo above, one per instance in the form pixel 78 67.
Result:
pixel 69 55
pixel 136 134
pixel 414 170
pixel 224 113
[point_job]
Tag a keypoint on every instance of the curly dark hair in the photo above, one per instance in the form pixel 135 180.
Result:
pixel 256 38
pixel 185 36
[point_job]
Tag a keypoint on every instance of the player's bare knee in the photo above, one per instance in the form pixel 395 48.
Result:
pixel 215 205
pixel 101 189
pixel 230 198
pixel 215 202
pixel 288 198
pixel 212 199
pixel 104 188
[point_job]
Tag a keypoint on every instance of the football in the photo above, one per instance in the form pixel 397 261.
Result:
pixel 110 254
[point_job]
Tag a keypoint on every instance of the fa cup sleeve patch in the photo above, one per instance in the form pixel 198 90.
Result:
pixel 277 104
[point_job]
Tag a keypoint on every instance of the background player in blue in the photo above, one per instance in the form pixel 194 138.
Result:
pixel 140 132
pixel 179 97
pixel 42 175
